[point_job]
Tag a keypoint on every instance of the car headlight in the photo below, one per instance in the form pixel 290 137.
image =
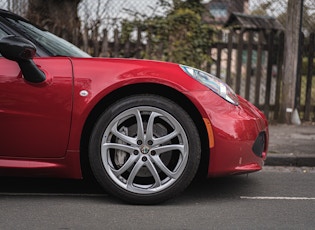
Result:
pixel 213 83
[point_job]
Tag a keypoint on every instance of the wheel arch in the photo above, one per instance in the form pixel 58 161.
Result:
pixel 144 88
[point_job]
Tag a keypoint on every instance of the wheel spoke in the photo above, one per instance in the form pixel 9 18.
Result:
pixel 131 160
pixel 154 173
pixel 134 173
pixel 125 148
pixel 149 132
pixel 161 165
pixel 166 138
pixel 140 128
pixel 121 136
pixel 167 148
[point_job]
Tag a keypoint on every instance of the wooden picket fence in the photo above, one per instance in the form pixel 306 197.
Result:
pixel 253 66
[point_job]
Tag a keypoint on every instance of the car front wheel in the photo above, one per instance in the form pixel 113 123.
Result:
pixel 144 149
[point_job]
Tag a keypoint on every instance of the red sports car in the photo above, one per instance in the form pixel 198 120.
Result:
pixel 142 127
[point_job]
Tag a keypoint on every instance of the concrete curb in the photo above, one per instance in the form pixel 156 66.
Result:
pixel 290 159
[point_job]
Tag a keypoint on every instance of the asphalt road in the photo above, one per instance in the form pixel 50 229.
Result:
pixel 276 198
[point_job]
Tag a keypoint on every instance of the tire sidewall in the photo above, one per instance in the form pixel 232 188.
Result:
pixel 144 100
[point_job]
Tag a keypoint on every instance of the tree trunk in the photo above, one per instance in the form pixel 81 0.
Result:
pixel 291 47
pixel 57 16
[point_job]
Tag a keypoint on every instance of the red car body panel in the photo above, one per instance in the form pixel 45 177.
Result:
pixel 235 134
pixel 51 115
pixel 36 117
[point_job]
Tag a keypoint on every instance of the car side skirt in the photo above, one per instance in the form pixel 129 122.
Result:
pixel 67 167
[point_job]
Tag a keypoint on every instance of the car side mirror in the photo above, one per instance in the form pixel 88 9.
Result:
pixel 22 51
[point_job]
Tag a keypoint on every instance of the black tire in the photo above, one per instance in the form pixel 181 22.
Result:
pixel 144 149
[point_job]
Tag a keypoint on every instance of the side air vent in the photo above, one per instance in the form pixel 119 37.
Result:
pixel 259 145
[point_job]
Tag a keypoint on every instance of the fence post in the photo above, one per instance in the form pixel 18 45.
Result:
pixel 239 62
pixel 249 65
pixel 259 67
pixel 229 58
pixel 149 44
pixel 127 47
pixel 116 43
pixel 269 72
pixel 104 49
pixel 96 45
pixel 298 85
pixel 310 71
pixel 85 38
pixel 218 61
pixel 138 43
pixel 280 57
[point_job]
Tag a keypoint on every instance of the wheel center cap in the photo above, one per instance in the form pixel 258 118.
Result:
pixel 145 149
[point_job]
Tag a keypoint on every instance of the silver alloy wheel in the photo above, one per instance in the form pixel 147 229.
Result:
pixel 144 150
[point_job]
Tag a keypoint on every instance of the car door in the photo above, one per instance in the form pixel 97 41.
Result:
pixel 35 118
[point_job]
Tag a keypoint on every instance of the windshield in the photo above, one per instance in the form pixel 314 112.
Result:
pixel 54 45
